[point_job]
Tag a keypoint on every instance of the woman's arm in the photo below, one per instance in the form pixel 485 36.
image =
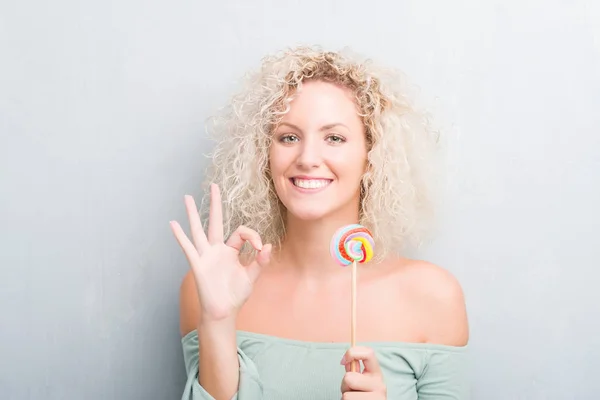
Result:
pixel 218 362
pixel 211 295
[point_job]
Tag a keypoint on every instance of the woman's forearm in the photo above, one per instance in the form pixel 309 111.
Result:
pixel 218 360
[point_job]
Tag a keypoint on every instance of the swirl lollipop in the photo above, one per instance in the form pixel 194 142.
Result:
pixel 352 244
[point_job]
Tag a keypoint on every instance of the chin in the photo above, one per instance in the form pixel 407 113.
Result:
pixel 308 213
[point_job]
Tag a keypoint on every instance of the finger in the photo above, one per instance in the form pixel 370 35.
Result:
pixel 198 236
pixel 242 235
pixel 186 245
pixel 357 382
pixel 262 259
pixel 364 354
pixel 215 219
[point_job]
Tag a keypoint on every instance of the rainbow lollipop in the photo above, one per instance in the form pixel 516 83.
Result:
pixel 352 244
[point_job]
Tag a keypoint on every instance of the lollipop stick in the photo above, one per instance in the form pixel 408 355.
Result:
pixel 354 366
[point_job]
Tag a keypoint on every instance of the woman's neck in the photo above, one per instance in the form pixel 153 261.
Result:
pixel 305 249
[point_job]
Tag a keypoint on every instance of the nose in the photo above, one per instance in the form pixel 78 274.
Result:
pixel 310 155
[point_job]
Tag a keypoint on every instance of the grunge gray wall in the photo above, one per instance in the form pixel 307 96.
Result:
pixel 102 110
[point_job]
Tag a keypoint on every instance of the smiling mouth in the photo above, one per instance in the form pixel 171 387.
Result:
pixel 310 183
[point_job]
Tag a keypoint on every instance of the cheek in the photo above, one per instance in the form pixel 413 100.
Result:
pixel 274 164
pixel 277 166
pixel 350 165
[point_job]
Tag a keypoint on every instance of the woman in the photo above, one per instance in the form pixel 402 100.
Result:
pixel 316 141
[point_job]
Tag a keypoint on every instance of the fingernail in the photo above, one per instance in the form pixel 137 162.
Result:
pixel 343 362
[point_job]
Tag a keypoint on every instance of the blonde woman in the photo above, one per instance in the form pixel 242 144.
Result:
pixel 317 140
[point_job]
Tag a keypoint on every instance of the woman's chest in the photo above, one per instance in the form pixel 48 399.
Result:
pixel 326 317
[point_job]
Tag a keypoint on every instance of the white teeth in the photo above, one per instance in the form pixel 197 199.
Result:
pixel 311 183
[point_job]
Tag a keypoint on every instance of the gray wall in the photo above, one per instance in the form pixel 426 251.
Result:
pixel 101 120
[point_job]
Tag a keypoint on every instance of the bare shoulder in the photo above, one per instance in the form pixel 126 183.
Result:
pixel 189 305
pixel 438 299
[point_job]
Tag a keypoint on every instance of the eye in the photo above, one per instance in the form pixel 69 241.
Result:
pixel 288 138
pixel 336 139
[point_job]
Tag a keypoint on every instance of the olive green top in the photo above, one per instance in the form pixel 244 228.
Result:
pixel 273 368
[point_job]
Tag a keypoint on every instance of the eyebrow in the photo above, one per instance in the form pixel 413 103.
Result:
pixel 323 128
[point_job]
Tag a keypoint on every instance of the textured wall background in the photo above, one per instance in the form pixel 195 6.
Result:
pixel 102 106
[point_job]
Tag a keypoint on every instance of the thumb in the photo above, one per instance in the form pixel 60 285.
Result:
pixel 263 258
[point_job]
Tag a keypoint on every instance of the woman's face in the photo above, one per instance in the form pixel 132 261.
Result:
pixel 319 153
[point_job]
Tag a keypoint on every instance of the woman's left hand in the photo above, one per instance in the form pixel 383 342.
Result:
pixel 365 385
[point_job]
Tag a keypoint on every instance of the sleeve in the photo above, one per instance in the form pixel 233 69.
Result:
pixel 445 376
pixel 250 387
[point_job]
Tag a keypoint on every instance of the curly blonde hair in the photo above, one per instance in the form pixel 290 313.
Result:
pixel 396 188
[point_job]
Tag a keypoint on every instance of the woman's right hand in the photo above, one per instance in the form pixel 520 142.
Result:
pixel 223 283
